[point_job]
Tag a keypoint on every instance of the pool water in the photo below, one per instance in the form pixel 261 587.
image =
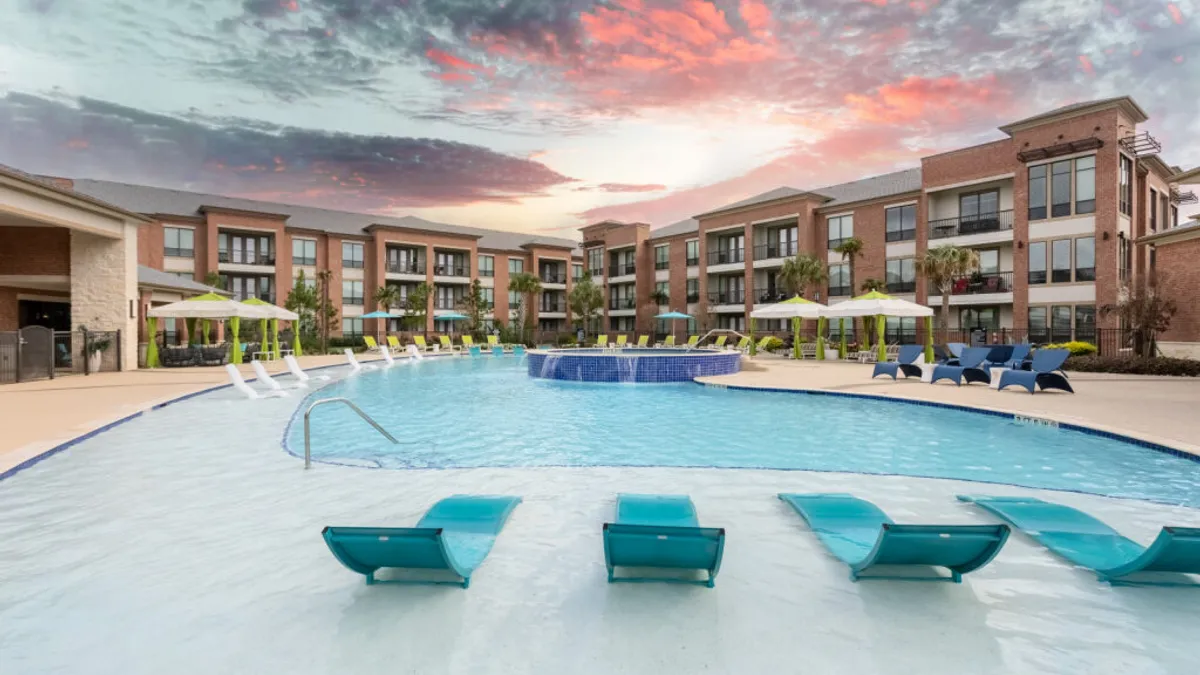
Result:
pixel 486 412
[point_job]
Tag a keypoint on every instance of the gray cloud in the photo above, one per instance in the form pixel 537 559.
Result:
pixel 88 138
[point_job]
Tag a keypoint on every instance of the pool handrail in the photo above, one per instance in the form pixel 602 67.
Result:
pixel 338 399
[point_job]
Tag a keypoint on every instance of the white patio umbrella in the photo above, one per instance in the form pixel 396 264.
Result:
pixel 209 306
pixel 882 305
pixel 796 308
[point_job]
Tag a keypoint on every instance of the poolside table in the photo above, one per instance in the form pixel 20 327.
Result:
pixel 927 371
pixel 995 373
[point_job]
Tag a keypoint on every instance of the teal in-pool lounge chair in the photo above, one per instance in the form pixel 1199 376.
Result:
pixel 861 535
pixel 1085 541
pixel 661 531
pixel 474 350
pixel 455 534
pixel 518 350
pixel 497 350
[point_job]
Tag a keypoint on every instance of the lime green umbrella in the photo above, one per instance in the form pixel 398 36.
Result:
pixel 274 315
pixel 878 305
pixel 151 344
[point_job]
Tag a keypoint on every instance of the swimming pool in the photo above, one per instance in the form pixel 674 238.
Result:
pixel 486 412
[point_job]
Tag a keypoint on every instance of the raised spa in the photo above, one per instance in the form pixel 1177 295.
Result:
pixel 631 365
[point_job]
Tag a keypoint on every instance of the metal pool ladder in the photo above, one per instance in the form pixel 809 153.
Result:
pixel 339 399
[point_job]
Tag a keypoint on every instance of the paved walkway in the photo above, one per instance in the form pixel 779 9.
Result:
pixel 37 416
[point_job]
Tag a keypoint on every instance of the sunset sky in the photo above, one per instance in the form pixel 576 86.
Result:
pixel 543 115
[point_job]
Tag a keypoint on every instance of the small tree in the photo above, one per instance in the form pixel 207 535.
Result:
pixel 586 301
pixel 528 286
pixel 326 313
pixel 658 297
pixel 387 297
pixel 800 272
pixel 213 278
pixel 941 266
pixel 1145 311
pixel 474 307
pixel 302 300
pixel 851 250
pixel 417 307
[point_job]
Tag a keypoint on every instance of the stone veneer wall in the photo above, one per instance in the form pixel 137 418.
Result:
pixel 103 284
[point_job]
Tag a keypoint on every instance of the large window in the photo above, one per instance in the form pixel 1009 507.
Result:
pixel 839 279
pixel 662 257
pixel 1085 185
pixel 902 223
pixel 1060 323
pixel 1038 328
pixel 1060 260
pixel 788 241
pixel 664 287
pixel 989 261
pixel 1174 216
pixel 901 276
pixel 246 287
pixel 979 210
pixel 304 252
pixel 514 301
pixel 1126 186
pixel 1060 189
pixel 693 252
pixel 487 266
pixel 1037 262
pixel 693 290
pixel 987 318
pixel 450 264
pixel 352 255
pixel 515 266
pixel 576 271
pixel 595 258
pixel 352 327
pixel 448 297
pixel 489 298
pixel 244 249
pixel 1054 323
pixel 1164 209
pixel 1085 259
pixel 841 228
pixel 1153 210
pixel 1037 192
pixel 352 292
pixel 902 329
pixel 1085 323
pixel 178 242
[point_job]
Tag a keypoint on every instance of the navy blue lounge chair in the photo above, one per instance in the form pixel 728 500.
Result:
pixel 1041 373
pixel 905 363
pixel 998 355
pixel 969 368
pixel 1016 360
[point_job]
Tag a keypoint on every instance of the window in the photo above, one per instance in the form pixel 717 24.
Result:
pixel 987 318
pixel 1060 323
pixel 1174 216
pixel 450 264
pixel 839 279
pixel 169 332
pixel 693 290
pixel 1060 189
pixel 576 271
pixel 489 298
pixel 787 239
pixel 1085 185
pixel 178 242
pixel 664 287
pixel 1126 186
pixel 352 292
pixel 1037 192
pixel 902 223
pixel 352 327
pixel 693 252
pixel 1060 260
pixel 352 255
pixel 1164 209
pixel 304 252
pixel 841 228
pixel 1037 262
pixel 596 261
pixel 448 297
pixel 662 257
pixel 979 211
pixel 1153 210
pixel 1038 333
pixel 901 329
pixel 487 266
pixel 901 276
pixel 244 288
pixel 516 266
pixel 989 261
pixel 190 276
pixel 514 301
pixel 1085 323
pixel 728 249
pixel 1085 259
pixel 309 282
pixel 1124 257
pixel 244 250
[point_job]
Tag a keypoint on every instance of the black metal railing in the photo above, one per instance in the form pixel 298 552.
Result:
pixel 765 251
pixel 246 258
pixel 837 291
pixel 621 269
pixel 662 264
pixel 992 282
pixel 726 256
pixel 172 252
pixel 352 264
pixel 727 297
pixel 972 224
pixel 770 295
pixel 405 267
pixel 692 262
pixel 552 307
pixel 622 303
pixel 902 286
pixel 306 262
pixel 549 277
pixel 451 271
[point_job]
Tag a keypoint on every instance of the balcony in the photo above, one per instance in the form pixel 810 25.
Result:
pixel 451 271
pixel 973 224
pixel 902 286
pixel 621 270
pixel 352 300
pixel 405 267
pixel 766 296
pixel 550 277
pixel 245 258
pixel 552 307
pixel 764 251
pixel 992 282
pixel 726 256
pixel 692 262
pixel 446 303
pixel 736 297
pixel 662 264
pixel 622 303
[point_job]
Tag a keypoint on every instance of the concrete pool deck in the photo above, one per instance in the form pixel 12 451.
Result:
pixel 38 416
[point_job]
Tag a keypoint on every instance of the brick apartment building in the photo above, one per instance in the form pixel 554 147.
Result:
pixel 1062 212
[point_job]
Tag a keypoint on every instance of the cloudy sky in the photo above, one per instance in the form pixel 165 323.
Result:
pixel 542 115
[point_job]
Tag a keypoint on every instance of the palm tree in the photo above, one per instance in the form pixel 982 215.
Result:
pixel 528 285
pixel 801 272
pixel 850 248
pixel 387 297
pixel 586 300
pixel 417 306
pixel 872 285
pixel 658 297
pixel 941 266
pixel 869 327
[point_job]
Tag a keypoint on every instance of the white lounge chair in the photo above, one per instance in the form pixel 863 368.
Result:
pixel 263 376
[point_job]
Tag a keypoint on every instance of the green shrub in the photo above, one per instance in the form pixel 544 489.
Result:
pixel 1076 348
pixel 771 344
pixel 566 340
pixel 1158 365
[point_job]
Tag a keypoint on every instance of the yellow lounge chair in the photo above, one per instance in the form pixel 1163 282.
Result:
pixel 370 342
pixel 468 341
pixel 669 342
pixel 444 340
pixel 394 344
pixel 622 340
pixel 493 341
pixel 744 344
pixel 602 341
pixel 762 344
pixel 719 343
pixel 419 341
pixel 693 341
pixel 643 341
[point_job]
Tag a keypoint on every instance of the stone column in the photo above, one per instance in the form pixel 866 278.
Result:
pixel 104 291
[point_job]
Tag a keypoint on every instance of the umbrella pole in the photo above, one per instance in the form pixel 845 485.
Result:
pixel 821 338
pixel 796 338
pixel 929 339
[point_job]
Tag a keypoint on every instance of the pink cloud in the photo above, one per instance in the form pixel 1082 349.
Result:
pixel 756 14
pixel 1175 12
pixel 1086 64
pixel 917 98
pixel 448 60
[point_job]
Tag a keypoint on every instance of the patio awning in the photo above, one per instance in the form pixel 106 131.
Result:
pixel 792 308
pixel 273 311
pixel 876 304
pixel 209 306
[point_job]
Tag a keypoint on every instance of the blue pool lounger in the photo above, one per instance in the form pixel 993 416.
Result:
pixel 497 350
pixel 905 363
pixel 518 350
pixel 455 534
pixel 1081 539
pixel 661 531
pixel 862 536
pixel 969 368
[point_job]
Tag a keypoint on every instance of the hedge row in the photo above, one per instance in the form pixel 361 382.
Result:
pixel 1158 365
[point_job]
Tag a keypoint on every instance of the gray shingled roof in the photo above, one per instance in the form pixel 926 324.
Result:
pixel 768 196
pixel 682 227
pixel 1075 106
pixel 875 187
pixel 154 200
pixel 152 277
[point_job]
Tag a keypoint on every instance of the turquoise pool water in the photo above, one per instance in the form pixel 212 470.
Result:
pixel 527 422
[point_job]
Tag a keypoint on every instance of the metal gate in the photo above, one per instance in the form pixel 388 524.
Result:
pixel 27 354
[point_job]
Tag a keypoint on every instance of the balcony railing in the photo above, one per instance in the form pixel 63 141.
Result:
pixel 621 270
pixel 764 251
pixel 692 262
pixel 246 258
pixel 974 224
pixel 727 297
pixel 552 307
pixel 770 295
pixel 726 256
pixel 622 303
pixel 662 264
pixel 902 286
pixel 304 262
pixel 451 271
pixel 446 303
pixel 352 300
pixel 992 282
pixel 693 296
pixel 838 291
pixel 405 267
pixel 553 277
